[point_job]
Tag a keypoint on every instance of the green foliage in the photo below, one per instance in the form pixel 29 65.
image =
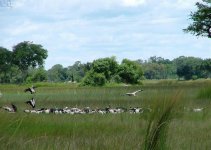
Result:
pixel 77 71
pixel 158 68
pixel 57 73
pixel 37 75
pixel 94 79
pixel 188 67
pixel 106 66
pixel 27 54
pixel 5 64
pixel 130 71
pixel 201 20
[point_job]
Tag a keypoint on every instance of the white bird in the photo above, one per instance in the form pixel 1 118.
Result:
pixel 133 93
pixel 31 89
pixel 197 109
pixel 13 108
pixel 31 102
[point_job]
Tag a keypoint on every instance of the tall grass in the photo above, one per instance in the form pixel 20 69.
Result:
pixel 205 93
pixel 156 130
pixel 159 120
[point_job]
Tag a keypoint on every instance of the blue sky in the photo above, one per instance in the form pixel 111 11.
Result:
pixel 84 30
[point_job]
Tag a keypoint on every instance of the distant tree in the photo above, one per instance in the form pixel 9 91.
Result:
pixel 130 71
pixel 188 67
pixel 106 66
pixel 26 54
pixel 154 71
pixel 5 64
pixel 57 73
pixel 37 75
pixel 76 72
pixel 206 68
pixel 201 25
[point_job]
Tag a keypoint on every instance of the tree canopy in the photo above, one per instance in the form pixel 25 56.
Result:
pixel 26 54
pixel 201 20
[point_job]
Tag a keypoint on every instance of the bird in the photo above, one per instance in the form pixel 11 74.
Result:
pixel 31 102
pixel 198 109
pixel 11 109
pixel 133 93
pixel 31 89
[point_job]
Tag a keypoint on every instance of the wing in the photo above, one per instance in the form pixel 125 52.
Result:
pixel 27 90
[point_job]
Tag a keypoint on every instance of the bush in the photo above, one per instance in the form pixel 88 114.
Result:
pixel 94 79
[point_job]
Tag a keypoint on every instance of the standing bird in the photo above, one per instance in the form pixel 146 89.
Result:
pixel 31 89
pixel 31 102
pixel 12 109
pixel 133 93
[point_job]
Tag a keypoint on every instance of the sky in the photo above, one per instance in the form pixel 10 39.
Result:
pixel 85 30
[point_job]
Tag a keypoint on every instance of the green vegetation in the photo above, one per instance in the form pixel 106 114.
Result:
pixel 201 20
pixel 171 125
pixel 25 65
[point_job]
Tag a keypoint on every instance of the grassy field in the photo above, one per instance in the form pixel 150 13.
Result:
pixel 184 128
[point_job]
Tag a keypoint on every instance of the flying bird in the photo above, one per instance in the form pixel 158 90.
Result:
pixel 133 93
pixel 31 102
pixel 31 90
pixel 12 109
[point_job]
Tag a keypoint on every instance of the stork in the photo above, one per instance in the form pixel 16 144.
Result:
pixel 133 93
pixel 11 109
pixel 31 102
pixel 31 89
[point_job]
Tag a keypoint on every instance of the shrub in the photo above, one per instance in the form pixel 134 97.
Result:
pixel 94 79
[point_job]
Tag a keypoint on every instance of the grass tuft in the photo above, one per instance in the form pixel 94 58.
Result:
pixel 157 129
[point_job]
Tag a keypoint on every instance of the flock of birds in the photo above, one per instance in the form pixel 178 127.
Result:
pixel 74 110
pixel 66 110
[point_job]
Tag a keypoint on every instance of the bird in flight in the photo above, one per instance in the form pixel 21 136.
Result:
pixel 133 93
pixel 31 102
pixel 31 89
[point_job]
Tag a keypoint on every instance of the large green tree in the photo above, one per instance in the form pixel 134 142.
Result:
pixel 101 71
pixel 130 71
pixel 201 20
pixel 107 66
pixel 26 55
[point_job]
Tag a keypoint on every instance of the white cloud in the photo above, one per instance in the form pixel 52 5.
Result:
pixel 86 30
pixel 132 3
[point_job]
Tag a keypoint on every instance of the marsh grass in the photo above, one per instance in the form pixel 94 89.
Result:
pixel 159 121
pixel 167 126
pixel 205 93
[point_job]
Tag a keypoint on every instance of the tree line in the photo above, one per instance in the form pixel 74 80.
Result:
pixel 24 64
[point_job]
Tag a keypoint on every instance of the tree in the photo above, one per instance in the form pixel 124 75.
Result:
pixel 201 25
pixel 26 54
pixel 76 72
pixel 5 64
pixel 206 68
pixel 101 71
pixel 154 71
pixel 57 73
pixel 106 66
pixel 94 79
pixel 188 67
pixel 130 71
pixel 37 75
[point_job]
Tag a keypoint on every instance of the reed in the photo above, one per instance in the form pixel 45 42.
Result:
pixel 159 120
